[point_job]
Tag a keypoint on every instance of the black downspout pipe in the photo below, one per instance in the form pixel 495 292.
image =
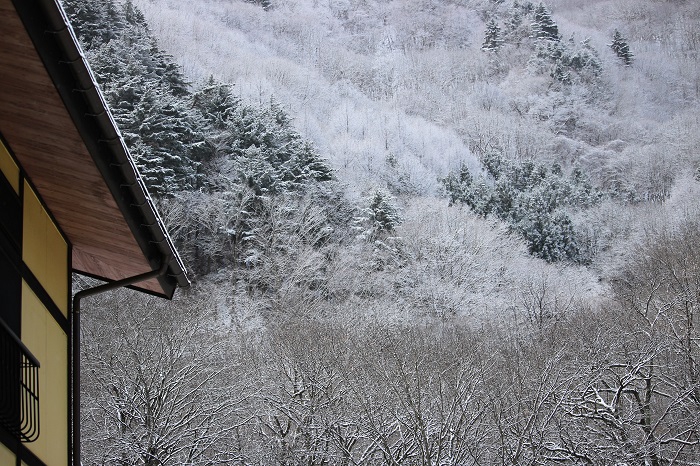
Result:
pixel 76 342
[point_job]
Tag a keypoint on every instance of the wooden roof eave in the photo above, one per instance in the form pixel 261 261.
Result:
pixel 65 62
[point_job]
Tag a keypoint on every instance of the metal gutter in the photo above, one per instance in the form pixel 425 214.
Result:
pixel 75 350
pixel 56 43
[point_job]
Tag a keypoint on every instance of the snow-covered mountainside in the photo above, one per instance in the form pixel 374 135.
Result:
pixel 368 80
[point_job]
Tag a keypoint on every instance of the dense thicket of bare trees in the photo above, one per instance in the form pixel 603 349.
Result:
pixel 159 386
pixel 617 384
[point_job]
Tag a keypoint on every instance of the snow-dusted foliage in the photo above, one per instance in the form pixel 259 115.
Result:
pixel 493 39
pixel 543 26
pixel 621 48
pixel 533 199
pixel 146 92
pixel 380 216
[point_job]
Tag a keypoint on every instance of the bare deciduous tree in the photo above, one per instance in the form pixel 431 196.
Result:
pixel 157 384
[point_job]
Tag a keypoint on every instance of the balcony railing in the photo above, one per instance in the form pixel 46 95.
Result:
pixel 19 387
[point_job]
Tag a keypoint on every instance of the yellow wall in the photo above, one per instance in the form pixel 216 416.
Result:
pixel 9 168
pixel 49 344
pixel 44 250
pixel 45 253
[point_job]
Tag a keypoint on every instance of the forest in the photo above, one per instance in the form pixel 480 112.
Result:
pixel 420 232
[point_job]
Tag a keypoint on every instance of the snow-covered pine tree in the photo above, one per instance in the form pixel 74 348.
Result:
pixel 494 163
pixel 146 92
pixel 568 62
pixel 307 166
pixel 457 186
pixel 532 199
pixel 621 48
pixel 95 22
pixel 584 61
pixel 543 26
pixel 550 236
pixel 492 40
pixel 171 144
pixel 381 216
pixel 385 213
pixel 284 161
pixel 216 103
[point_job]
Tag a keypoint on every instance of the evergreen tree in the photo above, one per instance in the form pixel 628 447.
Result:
pixel 543 26
pixel 121 46
pixel 584 60
pixel 621 48
pixel 160 128
pixel 168 141
pixel 216 102
pixel 532 199
pixel 95 22
pixel 493 40
pixel 568 62
pixel 218 106
pixel 164 136
pixel 494 163
pixel 270 156
pixel 146 92
pixel 306 166
pixel 550 236
pixel 457 186
pixel 379 218
pixel 384 211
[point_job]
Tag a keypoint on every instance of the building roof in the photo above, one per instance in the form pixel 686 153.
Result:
pixel 55 120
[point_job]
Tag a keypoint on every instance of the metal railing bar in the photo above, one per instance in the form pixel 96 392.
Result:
pixel 19 343
pixel 19 389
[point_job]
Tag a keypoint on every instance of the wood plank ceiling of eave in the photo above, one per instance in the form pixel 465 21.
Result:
pixel 43 137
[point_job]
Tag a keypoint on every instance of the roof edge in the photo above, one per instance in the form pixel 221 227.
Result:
pixel 64 59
